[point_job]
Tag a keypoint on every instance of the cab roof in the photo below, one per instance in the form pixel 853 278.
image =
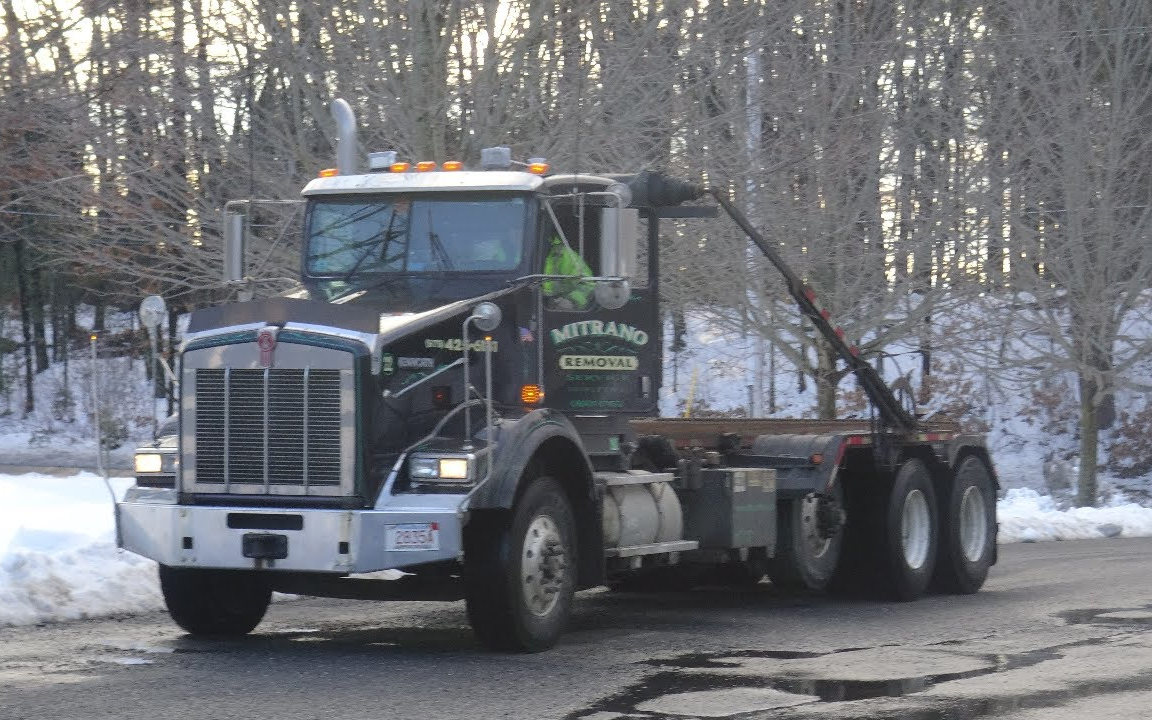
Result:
pixel 433 181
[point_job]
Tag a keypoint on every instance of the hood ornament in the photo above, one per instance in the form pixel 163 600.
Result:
pixel 266 341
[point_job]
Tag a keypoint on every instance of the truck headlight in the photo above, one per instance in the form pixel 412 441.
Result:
pixel 149 462
pixel 454 468
pixel 440 469
pixel 424 468
pixel 155 469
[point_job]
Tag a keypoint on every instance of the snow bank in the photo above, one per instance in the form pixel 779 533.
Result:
pixel 58 560
pixel 92 581
pixel 1027 516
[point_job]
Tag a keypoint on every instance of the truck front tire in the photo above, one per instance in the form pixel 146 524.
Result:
pixel 968 530
pixel 214 602
pixel 520 574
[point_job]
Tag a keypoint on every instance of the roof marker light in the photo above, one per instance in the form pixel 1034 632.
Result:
pixel 329 172
pixel 425 166
pixel 452 165
pixel 400 167
pixel 537 166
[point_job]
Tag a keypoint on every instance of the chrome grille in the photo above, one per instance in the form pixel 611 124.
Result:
pixel 270 427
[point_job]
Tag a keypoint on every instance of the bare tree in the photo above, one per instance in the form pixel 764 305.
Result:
pixel 1082 221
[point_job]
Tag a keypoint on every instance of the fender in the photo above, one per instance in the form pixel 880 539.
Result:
pixel 518 442
pixel 522 440
pixel 963 445
pixel 796 475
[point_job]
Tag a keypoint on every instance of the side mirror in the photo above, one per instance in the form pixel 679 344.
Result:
pixel 618 245
pixel 152 313
pixel 612 294
pixel 234 242
pixel 487 316
pixel 618 248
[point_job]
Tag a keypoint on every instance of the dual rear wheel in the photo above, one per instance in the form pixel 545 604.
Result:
pixel 902 540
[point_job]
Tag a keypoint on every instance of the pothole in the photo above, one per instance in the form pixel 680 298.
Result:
pixel 740 682
pixel 1108 616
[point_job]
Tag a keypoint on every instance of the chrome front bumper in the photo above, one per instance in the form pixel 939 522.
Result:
pixel 149 523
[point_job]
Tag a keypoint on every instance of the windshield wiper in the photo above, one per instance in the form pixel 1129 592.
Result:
pixel 386 237
pixel 438 247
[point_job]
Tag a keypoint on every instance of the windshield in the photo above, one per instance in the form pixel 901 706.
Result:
pixel 415 234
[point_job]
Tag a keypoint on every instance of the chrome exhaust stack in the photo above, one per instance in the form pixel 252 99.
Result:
pixel 346 145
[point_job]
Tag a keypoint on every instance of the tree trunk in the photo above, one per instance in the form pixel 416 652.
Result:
pixel 40 337
pixel 1089 442
pixel 925 395
pixel 98 315
pixel 25 323
pixel 825 382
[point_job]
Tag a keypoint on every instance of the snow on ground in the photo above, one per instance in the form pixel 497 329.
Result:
pixel 58 559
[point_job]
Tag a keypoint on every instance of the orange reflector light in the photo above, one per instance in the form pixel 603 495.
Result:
pixel 817 458
pixel 400 167
pixel 538 168
pixel 425 166
pixel 531 394
pixel 452 165
pixel 329 172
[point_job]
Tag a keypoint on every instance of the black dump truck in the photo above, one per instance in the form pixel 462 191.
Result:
pixel 433 397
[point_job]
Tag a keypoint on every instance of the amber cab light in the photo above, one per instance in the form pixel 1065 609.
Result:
pixel 452 165
pixel 329 172
pixel 531 394
pixel 425 166
pixel 400 167
pixel 538 168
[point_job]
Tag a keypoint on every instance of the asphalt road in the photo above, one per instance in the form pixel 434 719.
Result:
pixel 1060 631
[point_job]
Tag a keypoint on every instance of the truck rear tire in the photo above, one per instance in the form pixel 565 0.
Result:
pixel 214 602
pixel 520 574
pixel 910 533
pixel 805 558
pixel 968 530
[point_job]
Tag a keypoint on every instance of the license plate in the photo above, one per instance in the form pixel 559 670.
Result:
pixel 412 536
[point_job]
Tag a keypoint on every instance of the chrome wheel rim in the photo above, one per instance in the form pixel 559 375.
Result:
pixel 815 544
pixel 973 524
pixel 542 565
pixel 915 529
